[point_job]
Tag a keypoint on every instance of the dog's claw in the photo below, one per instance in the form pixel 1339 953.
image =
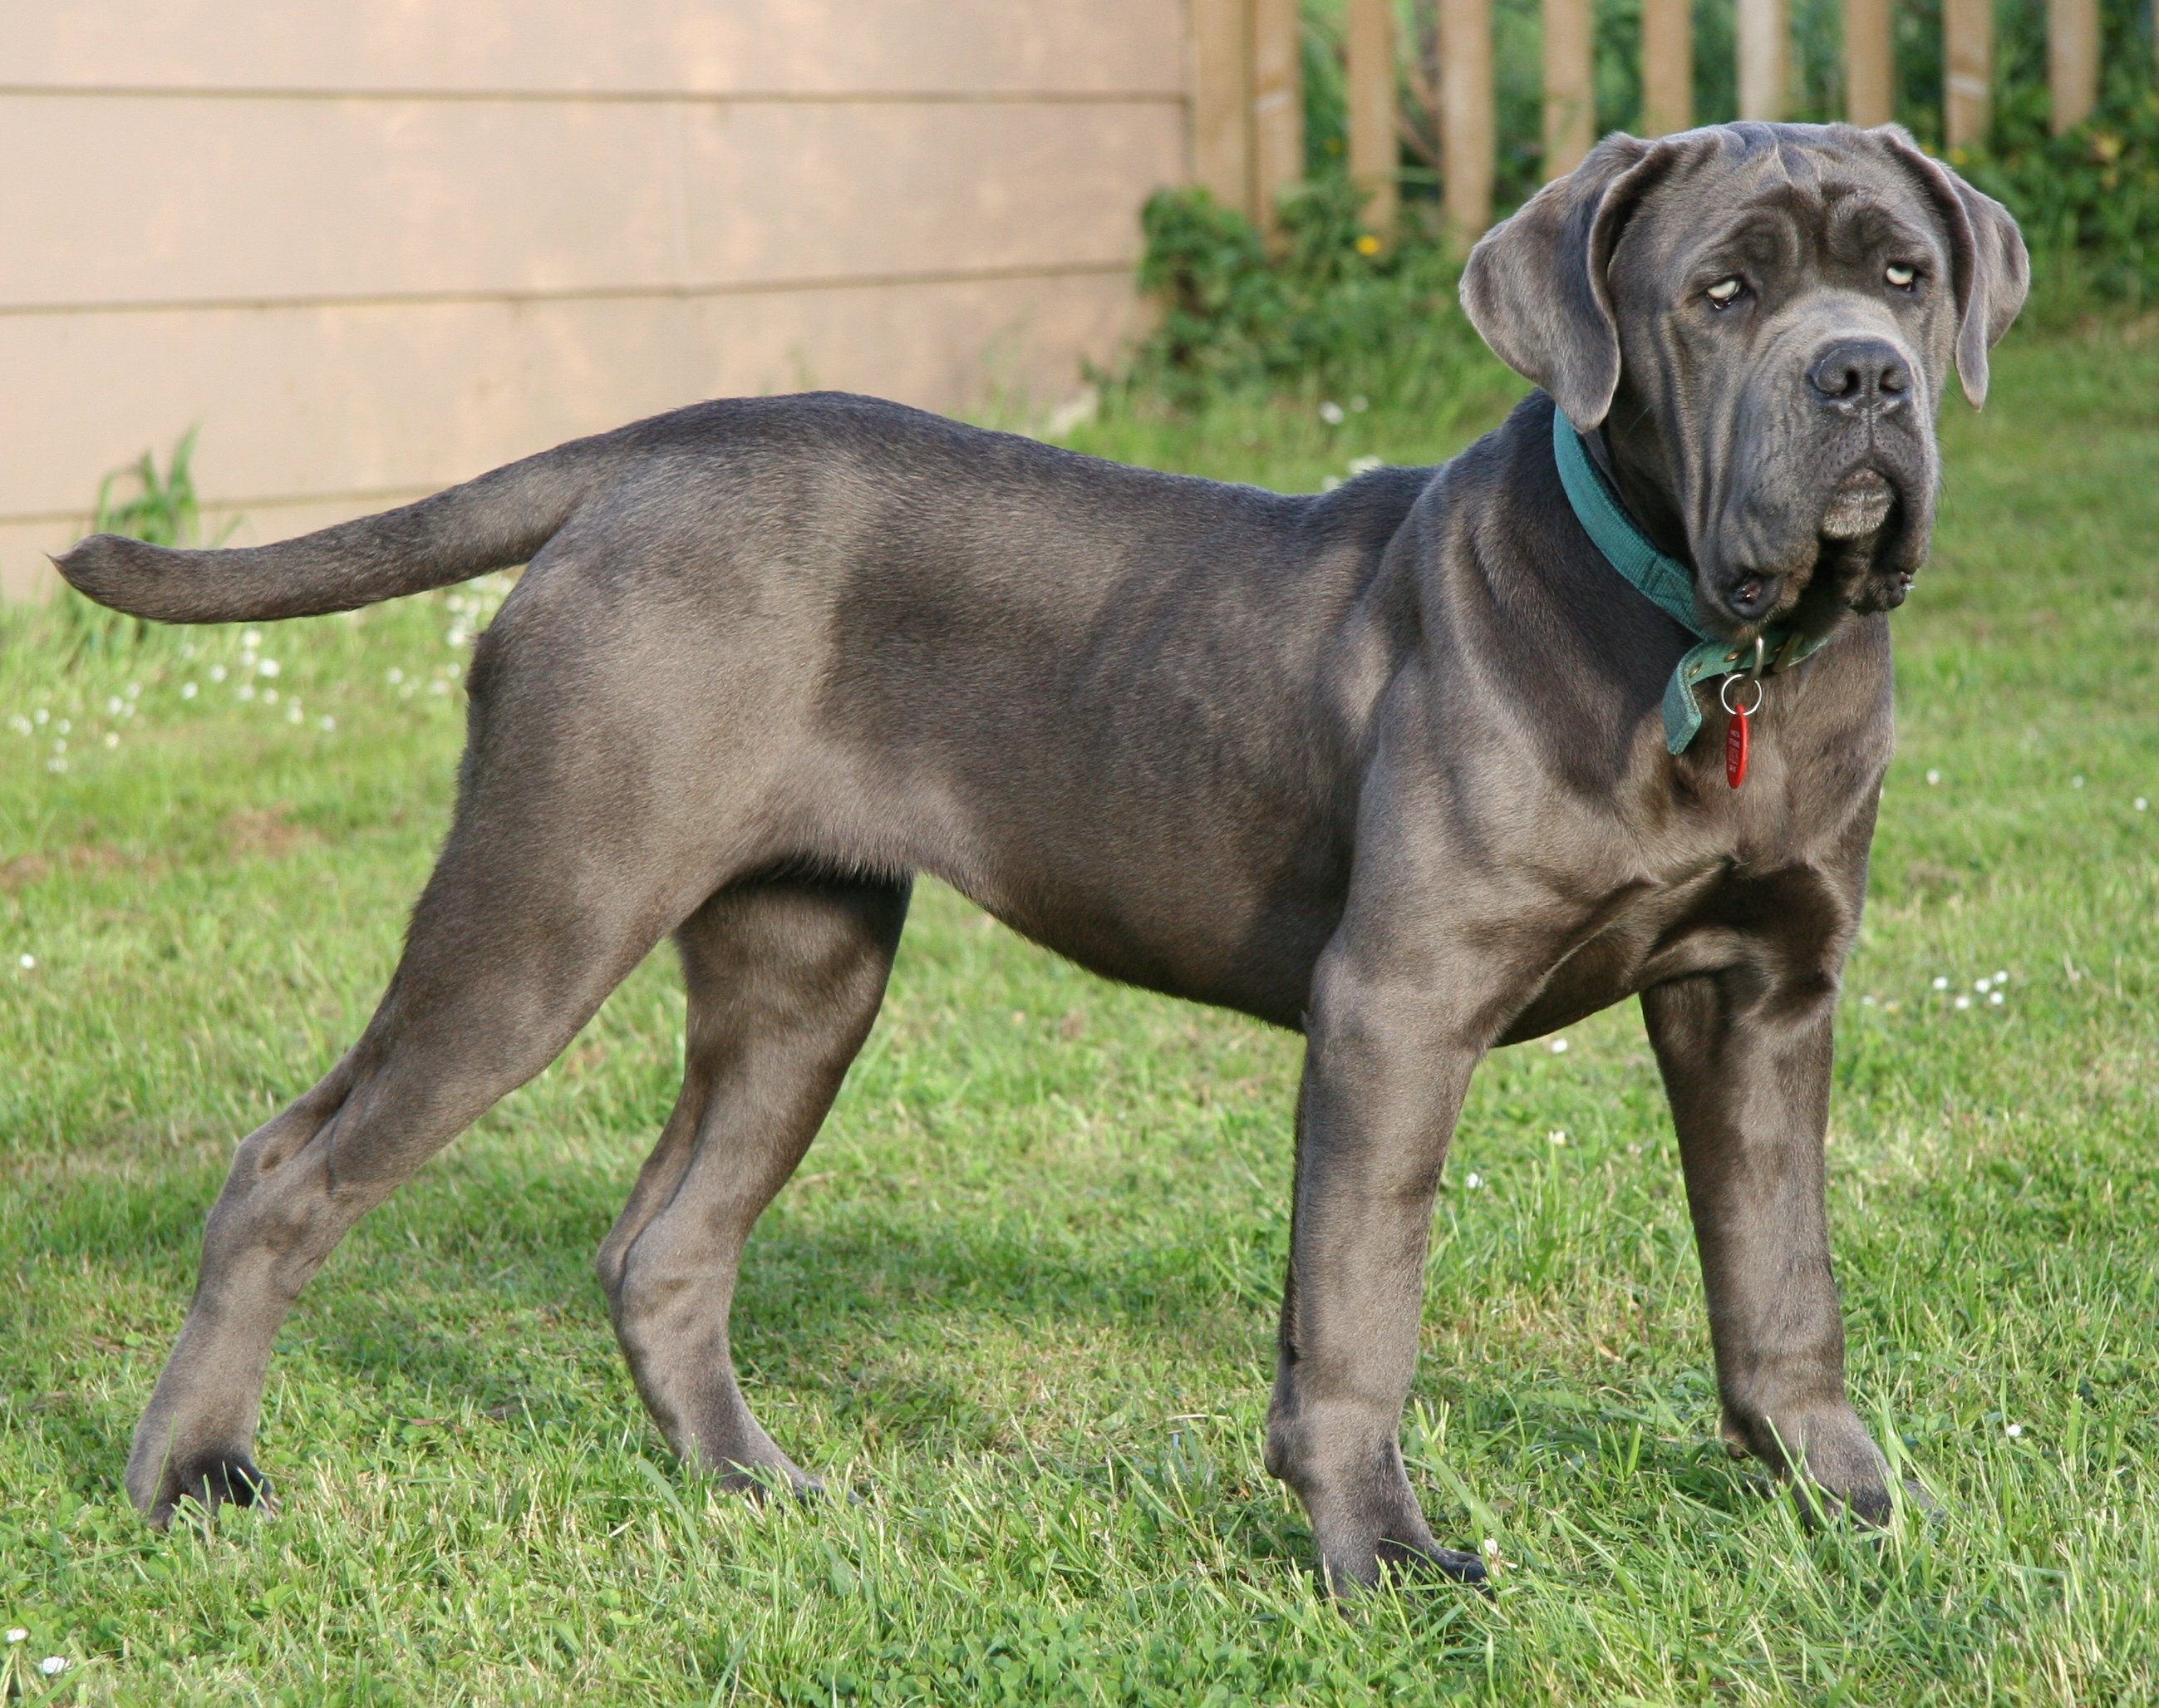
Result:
pixel 1449 1563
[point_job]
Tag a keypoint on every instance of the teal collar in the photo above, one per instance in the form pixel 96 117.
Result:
pixel 1666 582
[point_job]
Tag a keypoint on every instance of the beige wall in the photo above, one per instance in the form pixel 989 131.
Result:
pixel 375 246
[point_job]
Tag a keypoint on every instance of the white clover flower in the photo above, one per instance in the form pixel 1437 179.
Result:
pixel 134 691
pixel 65 726
pixel 1994 999
pixel 1559 1046
pixel 2076 782
pixel 1941 983
pixel 2002 978
pixel 43 714
pixel 2141 804
pixel 268 667
pixel 1933 776
pixel 1472 1180
pixel 16 1634
pixel 328 722
pixel 397 676
pixel 2012 1430
pixel 112 739
pixel 53 1665
pixel 1983 985
pixel 28 964
pixel 1867 1001
pixel 252 639
pixel 1491 1547
pixel 1556 1137
pixel 188 691
pixel 217 673
pixel 1964 1002
pixel 1331 413
pixel 247 691
pixel 112 706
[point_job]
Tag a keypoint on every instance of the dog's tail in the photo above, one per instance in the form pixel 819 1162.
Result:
pixel 499 519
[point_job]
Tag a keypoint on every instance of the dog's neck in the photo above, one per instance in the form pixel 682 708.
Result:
pixel 1639 480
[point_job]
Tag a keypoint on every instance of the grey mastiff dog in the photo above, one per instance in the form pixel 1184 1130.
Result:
pixel 1405 766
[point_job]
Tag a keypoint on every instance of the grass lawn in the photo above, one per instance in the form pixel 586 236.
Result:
pixel 1019 1303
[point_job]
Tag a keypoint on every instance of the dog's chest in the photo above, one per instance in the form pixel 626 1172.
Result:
pixel 1729 879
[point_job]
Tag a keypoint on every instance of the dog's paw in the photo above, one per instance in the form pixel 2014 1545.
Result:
pixel 761 1482
pixel 1348 1574
pixel 214 1480
pixel 1871 1507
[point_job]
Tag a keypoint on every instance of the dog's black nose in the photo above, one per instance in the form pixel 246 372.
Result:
pixel 1864 373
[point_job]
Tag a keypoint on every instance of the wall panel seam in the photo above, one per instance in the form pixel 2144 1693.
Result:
pixel 570 293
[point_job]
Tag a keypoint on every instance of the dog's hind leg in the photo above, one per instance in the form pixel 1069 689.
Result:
pixel 785 979
pixel 518 937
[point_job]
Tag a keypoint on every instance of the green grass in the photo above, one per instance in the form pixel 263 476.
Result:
pixel 1019 1303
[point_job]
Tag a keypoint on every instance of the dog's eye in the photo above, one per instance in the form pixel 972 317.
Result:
pixel 1723 293
pixel 1901 277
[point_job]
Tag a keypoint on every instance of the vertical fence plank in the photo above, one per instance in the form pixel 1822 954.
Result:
pixel 1468 148
pixel 1967 71
pixel 1277 105
pixel 1761 31
pixel 1569 94
pixel 1869 64
pixel 1222 100
pixel 1667 66
pixel 2072 60
pixel 1374 146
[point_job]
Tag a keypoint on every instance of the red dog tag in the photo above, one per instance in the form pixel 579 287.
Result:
pixel 1735 749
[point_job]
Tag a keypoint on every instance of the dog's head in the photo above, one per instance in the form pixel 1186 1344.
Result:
pixel 1761 318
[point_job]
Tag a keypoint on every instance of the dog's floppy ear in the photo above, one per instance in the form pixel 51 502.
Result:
pixel 1534 286
pixel 1986 253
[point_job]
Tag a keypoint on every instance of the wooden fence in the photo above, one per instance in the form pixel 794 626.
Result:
pixel 1248 130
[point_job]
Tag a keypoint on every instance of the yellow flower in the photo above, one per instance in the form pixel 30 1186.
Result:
pixel 1368 245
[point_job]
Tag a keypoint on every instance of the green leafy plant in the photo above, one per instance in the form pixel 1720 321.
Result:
pixel 2088 200
pixel 1336 308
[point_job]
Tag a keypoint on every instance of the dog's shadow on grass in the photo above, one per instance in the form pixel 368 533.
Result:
pixel 476 1284
pixel 458 1299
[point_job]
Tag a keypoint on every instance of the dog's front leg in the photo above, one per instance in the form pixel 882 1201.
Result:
pixel 1383 1077
pixel 1746 1067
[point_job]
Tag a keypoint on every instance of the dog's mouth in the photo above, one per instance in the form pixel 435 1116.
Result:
pixel 1857 559
pixel 1859 505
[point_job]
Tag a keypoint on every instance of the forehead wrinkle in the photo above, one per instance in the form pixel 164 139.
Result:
pixel 1798 164
pixel 1861 219
pixel 1775 222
